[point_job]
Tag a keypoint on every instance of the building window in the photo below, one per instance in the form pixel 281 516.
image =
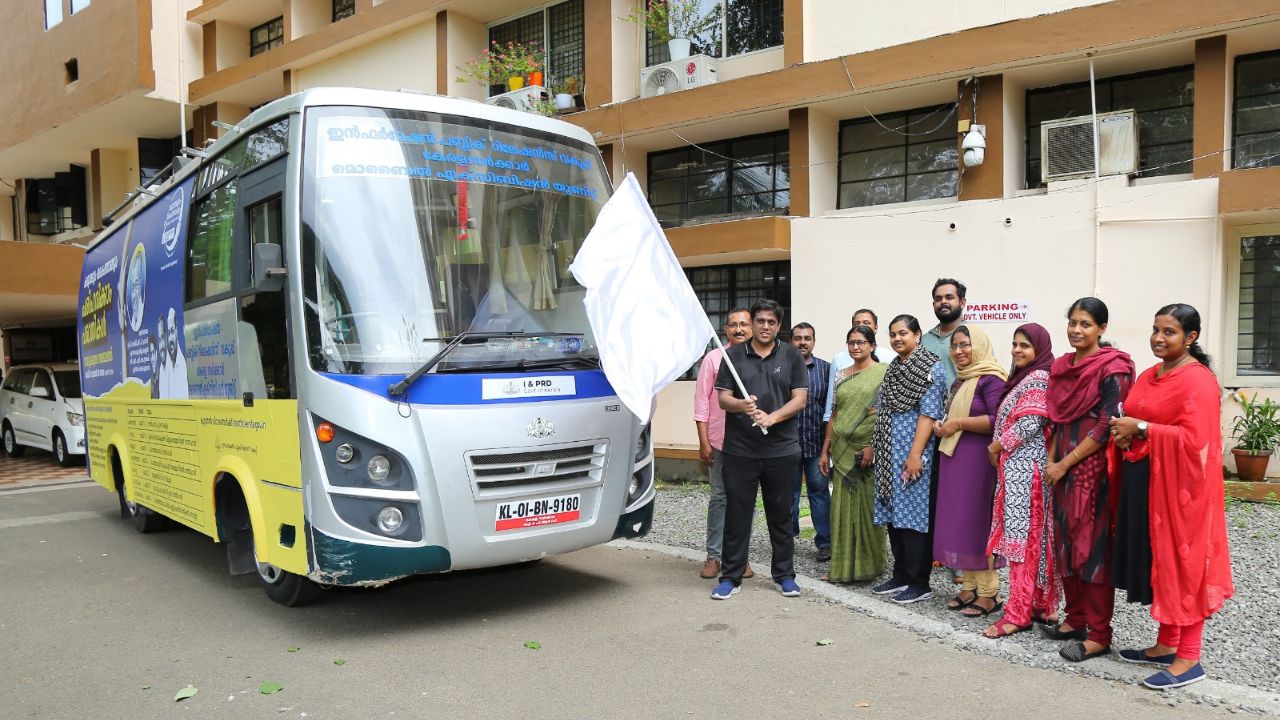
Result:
pixel 745 26
pixel 691 183
pixel 1258 312
pixel 1162 98
pixel 269 34
pixel 154 155
pixel 57 204
pixel 343 9
pixel 78 5
pixel 721 288
pixel 1256 134
pixel 557 29
pixel 900 157
pixel 52 13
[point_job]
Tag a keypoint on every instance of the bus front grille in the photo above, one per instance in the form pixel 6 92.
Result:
pixel 500 472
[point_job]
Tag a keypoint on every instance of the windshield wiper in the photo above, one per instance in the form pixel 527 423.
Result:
pixel 401 387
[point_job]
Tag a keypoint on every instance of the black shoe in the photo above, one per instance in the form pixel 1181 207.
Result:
pixel 824 554
pixel 1075 652
pixel 1054 632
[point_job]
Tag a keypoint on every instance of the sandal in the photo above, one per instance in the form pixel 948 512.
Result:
pixel 1075 652
pixel 1000 631
pixel 975 610
pixel 959 603
pixel 1043 620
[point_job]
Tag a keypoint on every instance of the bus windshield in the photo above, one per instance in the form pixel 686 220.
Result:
pixel 419 226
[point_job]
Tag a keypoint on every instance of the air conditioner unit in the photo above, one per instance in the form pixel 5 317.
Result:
pixel 677 75
pixel 522 99
pixel 1066 146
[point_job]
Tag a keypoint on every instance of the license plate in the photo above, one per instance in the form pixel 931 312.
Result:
pixel 521 514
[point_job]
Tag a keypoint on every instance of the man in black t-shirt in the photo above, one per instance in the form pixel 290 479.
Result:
pixel 777 381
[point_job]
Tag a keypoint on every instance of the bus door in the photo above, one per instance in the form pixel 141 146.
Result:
pixel 262 332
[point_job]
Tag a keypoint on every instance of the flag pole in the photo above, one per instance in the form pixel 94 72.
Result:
pixel 724 356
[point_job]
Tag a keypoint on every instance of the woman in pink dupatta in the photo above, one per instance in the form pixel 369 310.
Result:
pixel 1022 516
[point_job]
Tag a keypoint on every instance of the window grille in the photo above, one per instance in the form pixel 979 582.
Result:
pixel 905 156
pixel 1256 120
pixel 269 34
pixel 343 9
pixel 721 288
pixel 688 183
pixel 1258 334
pixel 745 26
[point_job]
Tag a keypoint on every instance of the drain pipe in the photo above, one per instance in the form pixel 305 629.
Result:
pixel 1097 174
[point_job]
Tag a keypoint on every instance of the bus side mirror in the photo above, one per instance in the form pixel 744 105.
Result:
pixel 268 268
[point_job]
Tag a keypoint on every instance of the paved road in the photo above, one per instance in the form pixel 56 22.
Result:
pixel 99 621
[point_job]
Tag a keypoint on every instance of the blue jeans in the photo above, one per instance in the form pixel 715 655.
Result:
pixel 819 501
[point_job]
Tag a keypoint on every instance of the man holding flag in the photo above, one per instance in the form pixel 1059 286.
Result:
pixel 761 446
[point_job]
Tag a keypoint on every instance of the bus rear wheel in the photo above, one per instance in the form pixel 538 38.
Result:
pixel 285 587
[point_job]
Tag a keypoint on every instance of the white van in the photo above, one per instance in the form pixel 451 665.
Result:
pixel 40 407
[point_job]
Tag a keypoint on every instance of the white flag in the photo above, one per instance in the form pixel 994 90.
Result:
pixel 648 323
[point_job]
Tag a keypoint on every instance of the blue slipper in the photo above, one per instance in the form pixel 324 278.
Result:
pixel 1140 657
pixel 1165 680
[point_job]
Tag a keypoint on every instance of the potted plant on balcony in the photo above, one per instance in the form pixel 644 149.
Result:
pixel 674 22
pixel 1257 433
pixel 508 65
pixel 563 91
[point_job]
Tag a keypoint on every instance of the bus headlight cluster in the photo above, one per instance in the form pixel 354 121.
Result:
pixel 355 461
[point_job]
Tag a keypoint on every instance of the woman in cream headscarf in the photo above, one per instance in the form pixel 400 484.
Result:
pixel 966 480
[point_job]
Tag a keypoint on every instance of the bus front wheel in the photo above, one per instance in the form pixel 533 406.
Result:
pixel 285 587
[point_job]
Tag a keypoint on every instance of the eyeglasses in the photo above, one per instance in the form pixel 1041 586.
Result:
pixel 858 343
pixel 965 347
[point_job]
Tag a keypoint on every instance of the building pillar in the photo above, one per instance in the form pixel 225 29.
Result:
pixel 792 32
pixel 442 52
pixel 598 58
pixel 202 128
pixel 110 180
pixel 1209 115
pixel 798 145
pixel 985 180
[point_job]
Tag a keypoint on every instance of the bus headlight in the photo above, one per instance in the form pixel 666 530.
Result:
pixel 345 453
pixel 390 519
pixel 76 419
pixel 379 469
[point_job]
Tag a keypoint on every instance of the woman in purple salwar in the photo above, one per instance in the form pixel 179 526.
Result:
pixel 966 480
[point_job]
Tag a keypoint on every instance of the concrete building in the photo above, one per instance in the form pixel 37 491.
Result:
pixel 822 168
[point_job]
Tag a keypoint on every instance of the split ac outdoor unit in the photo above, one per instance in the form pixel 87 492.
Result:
pixel 677 75
pixel 1066 146
pixel 522 99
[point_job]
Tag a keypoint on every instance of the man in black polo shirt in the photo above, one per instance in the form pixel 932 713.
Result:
pixel 777 381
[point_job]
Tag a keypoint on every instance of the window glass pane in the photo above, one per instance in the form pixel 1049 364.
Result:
pixel 704 208
pixel 665 192
pixel 877 163
pixel 1261 150
pixel 668 214
pixel 932 156
pixel 1258 74
pixel 936 124
pixel 702 187
pixel 872 192
pixel 78 5
pixel 52 13
pixel 1172 159
pixel 753 25
pixel 867 135
pixel 566 44
pixel 222 166
pixel 932 185
pixel 758 149
pixel 667 164
pixel 1164 126
pixel 1258 341
pixel 267 143
pixel 209 265
pixel 1260 113
pixel 754 179
pixel 1152 92
pixel 762 202
pixel 343 9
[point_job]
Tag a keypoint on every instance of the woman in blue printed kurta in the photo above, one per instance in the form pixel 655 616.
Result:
pixel 912 396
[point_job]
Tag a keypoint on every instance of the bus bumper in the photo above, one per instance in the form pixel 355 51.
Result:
pixel 342 562
pixel 636 523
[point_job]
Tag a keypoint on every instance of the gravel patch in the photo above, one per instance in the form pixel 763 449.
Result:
pixel 1241 644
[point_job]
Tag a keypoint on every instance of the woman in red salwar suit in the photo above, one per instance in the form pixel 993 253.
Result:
pixel 1171 537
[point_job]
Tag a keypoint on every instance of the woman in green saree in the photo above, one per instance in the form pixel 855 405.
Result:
pixel 858 546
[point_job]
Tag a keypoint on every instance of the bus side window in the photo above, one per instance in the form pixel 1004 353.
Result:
pixel 263 336
pixel 209 262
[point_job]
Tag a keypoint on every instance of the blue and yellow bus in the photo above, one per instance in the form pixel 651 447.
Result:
pixel 343 340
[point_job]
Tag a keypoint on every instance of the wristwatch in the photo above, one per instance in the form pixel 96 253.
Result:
pixel 1142 429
